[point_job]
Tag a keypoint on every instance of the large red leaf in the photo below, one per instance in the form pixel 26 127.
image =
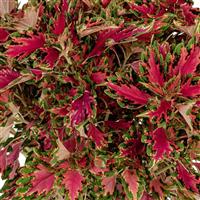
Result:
pixel 81 108
pixel 59 24
pixel 96 135
pixel 161 144
pixel 188 90
pixel 188 63
pixel 73 183
pixel 155 75
pixel 109 184
pixel 43 181
pixel 187 13
pixel 7 76
pixel 162 110
pixel 188 179
pixel 132 180
pixel 131 93
pixel 26 46
pixel 3 35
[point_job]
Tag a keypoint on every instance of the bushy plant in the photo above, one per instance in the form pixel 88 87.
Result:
pixel 102 98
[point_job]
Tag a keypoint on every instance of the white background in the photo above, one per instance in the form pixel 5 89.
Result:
pixel 21 157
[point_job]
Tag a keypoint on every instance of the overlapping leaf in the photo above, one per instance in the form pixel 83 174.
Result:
pixel 25 46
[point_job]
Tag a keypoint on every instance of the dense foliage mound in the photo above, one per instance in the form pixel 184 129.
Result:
pixel 102 98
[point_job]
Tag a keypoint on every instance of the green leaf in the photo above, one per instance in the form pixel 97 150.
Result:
pixel 22 189
pixel 23 180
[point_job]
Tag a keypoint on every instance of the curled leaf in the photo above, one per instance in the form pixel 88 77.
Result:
pixel 29 19
pixel 183 109
pixel 6 6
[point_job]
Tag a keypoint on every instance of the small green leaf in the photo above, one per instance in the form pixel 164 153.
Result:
pixel 23 180
pixel 22 189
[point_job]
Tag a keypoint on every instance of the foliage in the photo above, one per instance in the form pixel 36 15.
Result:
pixel 102 97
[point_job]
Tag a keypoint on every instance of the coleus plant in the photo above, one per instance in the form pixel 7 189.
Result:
pixel 102 98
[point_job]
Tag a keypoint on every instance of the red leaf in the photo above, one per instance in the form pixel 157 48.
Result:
pixel 59 24
pixel 96 135
pixel 3 160
pixel 134 148
pixel 43 181
pixel 73 34
pixel 62 112
pixel 3 35
pixel 157 187
pixel 119 124
pixel 7 76
pixel 115 34
pixel 147 10
pixel 51 57
pixel 71 144
pixel 109 184
pixel 188 179
pixel 27 46
pixel 98 77
pixel 162 110
pixel 146 196
pixel 192 61
pixel 73 182
pixel 100 43
pixel 132 180
pixel 143 9
pixel 161 144
pixel 131 93
pixel 4 96
pixel 156 29
pixel 188 63
pixel 188 90
pixel 38 73
pixel 81 108
pixel 187 13
pixel 105 3
pixel 98 166
pixel 14 155
pixel 155 75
